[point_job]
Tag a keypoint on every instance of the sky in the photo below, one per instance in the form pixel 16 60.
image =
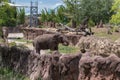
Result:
pixel 49 4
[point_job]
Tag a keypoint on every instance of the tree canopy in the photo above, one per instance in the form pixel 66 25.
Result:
pixel 21 16
pixel 115 19
pixel 96 9
pixel 7 15
pixel 74 11
pixel 10 16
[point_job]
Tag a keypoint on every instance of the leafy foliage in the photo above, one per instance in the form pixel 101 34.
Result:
pixel 54 15
pixel 74 11
pixel 48 15
pixel 96 9
pixel 7 74
pixel 21 16
pixel 61 18
pixel 116 16
pixel 4 0
pixel 7 15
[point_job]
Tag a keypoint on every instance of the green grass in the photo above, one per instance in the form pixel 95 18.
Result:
pixel 7 74
pixel 65 49
pixel 23 40
pixel 68 49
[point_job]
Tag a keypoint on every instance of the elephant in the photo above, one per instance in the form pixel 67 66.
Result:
pixel 49 41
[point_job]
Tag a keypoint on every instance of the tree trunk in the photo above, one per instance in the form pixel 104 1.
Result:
pixel 74 24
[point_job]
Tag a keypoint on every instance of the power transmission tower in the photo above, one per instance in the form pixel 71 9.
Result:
pixel 34 14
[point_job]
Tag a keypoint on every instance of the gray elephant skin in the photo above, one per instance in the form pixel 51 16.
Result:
pixel 49 41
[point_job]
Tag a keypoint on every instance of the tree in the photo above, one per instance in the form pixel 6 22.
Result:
pixel 21 16
pixel 115 19
pixel 4 1
pixel 97 10
pixel 43 16
pixel 8 15
pixel 48 16
pixel 72 11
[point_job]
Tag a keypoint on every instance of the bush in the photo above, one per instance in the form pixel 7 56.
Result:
pixel 7 74
pixel 115 29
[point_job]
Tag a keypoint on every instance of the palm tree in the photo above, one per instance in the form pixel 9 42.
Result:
pixel 72 11
pixel 61 18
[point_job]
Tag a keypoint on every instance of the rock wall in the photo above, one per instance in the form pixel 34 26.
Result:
pixel 48 66
pixel 60 67
pixel 99 46
pixel 99 68
pixel 31 33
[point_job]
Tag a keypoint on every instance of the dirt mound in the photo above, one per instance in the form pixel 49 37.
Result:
pixel 60 67
pixel 99 46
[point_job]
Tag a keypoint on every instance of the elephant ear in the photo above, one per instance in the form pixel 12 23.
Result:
pixel 56 36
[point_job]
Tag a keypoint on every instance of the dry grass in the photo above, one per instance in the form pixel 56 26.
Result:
pixel 102 32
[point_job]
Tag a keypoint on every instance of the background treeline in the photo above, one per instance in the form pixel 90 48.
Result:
pixel 74 11
pixel 71 13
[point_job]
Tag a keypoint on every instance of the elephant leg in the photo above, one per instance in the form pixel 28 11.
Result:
pixel 37 49
pixel 56 48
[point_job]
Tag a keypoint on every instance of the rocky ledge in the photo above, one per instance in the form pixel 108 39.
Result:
pixel 56 66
